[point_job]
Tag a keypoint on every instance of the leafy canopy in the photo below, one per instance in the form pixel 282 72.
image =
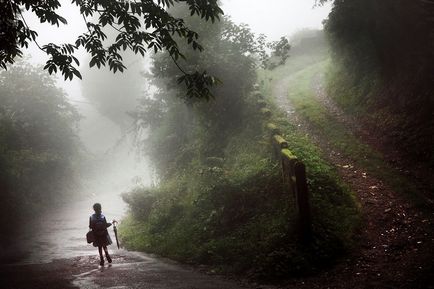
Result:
pixel 140 26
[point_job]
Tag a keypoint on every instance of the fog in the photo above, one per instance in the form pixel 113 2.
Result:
pixel 225 144
pixel 116 166
pixel 277 18
pixel 274 18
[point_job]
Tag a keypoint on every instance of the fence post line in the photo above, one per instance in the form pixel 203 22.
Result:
pixel 303 205
pixel 293 172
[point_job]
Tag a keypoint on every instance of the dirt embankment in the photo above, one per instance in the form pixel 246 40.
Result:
pixel 396 240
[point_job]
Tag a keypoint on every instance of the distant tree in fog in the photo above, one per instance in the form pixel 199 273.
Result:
pixel 39 149
pixel 279 54
pixel 115 95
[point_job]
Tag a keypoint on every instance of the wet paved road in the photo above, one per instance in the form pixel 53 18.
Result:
pixel 58 257
pixel 60 233
pixel 135 270
pixel 129 270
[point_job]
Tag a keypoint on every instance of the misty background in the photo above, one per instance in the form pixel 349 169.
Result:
pixel 104 126
pixel 297 143
pixel 105 129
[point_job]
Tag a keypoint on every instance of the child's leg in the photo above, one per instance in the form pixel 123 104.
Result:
pixel 107 254
pixel 100 255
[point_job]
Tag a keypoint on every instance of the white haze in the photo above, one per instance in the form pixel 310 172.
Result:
pixel 274 18
pixel 117 168
pixel 277 18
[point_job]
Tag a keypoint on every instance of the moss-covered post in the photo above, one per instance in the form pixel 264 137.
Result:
pixel 266 113
pixel 303 205
pixel 288 160
pixel 293 173
pixel 273 129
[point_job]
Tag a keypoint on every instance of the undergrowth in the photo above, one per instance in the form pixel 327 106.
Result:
pixel 302 95
pixel 232 212
pixel 374 76
pixel 220 200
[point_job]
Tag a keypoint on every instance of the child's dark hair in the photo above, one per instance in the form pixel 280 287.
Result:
pixel 97 207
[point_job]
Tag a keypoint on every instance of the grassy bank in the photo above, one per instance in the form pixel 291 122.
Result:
pixel 376 77
pixel 302 95
pixel 231 211
pixel 220 200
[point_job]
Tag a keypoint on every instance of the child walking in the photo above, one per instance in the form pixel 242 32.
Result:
pixel 98 224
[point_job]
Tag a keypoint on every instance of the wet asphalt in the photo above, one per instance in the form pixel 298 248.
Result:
pixel 56 256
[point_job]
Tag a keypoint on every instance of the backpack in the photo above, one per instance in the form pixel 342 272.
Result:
pixel 99 225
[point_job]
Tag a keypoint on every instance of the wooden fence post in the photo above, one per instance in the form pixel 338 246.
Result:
pixel 293 173
pixel 302 201
pixel 288 160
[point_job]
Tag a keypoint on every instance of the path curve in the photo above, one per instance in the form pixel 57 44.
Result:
pixel 61 234
pixel 395 240
pixel 129 270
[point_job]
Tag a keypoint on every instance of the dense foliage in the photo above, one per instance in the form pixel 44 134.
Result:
pixel 38 145
pixel 140 26
pixel 219 199
pixel 229 55
pixel 383 67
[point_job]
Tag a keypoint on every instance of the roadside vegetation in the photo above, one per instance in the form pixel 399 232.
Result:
pixel 219 198
pixel 304 83
pixel 382 73
pixel 39 149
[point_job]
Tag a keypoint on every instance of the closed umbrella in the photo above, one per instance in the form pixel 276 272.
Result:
pixel 115 229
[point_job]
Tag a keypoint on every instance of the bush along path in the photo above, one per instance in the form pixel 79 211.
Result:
pixel 395 242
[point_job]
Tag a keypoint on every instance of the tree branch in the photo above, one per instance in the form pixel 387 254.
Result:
pixel 85 21
pixel 27 26
pixel 177 65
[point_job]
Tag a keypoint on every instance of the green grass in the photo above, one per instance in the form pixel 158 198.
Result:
pixel 234 214
pixel 295 63
pixel 302 96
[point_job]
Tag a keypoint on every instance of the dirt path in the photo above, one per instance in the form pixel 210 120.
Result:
pixel 129 271
pixel 396 241
pixel 373 136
